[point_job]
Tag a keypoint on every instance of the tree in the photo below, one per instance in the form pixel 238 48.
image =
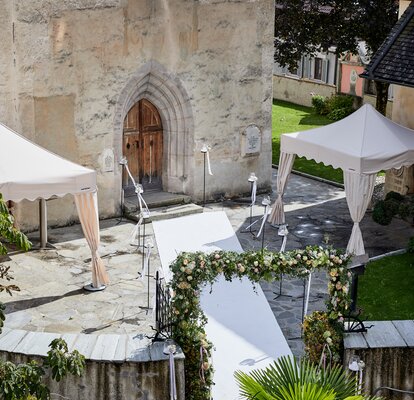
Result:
pixel 25 381
pixel 306 26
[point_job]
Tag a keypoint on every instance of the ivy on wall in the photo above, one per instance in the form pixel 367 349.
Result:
pixel 192 271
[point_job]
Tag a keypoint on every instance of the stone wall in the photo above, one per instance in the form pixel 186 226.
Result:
pixel 70 70
pixel 387 349
pixel 114 381
pixel 371 99
pixel 299 91
pixel 402 181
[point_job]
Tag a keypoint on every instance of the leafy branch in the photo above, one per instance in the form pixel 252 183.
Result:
pixel 25 381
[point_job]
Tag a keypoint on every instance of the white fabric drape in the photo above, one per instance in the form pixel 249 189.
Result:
pixel 358 189
pixel 87 205
pixel 277 216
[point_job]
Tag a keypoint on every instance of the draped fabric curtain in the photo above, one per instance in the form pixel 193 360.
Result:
pixel 87 205
pixel 359 189
pixel 277 217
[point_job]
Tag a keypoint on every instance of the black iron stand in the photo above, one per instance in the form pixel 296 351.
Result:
pixel 356 271
pixel 280 289
pixel 251 222
pixel 148 307
pixel 251 209
pixel 122 204
pixel 303 309
pixel 284 235
pixel 264 226
pixel 204 180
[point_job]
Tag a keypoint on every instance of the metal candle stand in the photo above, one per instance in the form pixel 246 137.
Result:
pixel 282 231
pixel 266 204
pixel 252 179
pixel 204 151
pixel 147 245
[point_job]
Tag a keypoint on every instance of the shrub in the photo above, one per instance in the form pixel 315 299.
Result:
pixel 382 214
pixel 394 195
pixel 340 113
pixel 404 210
pixel 338 101
pixel 410 247
pixel 393 206
pixel 319 104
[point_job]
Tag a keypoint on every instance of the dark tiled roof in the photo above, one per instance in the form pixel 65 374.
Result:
pixel 394 60
pixel 306 7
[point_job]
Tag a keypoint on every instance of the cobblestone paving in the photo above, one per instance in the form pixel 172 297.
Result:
pixel 315 212
pixel 52 300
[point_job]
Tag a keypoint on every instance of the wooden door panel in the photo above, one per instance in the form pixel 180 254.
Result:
pixel 143 145
pixel 131 147
pixel 150 118
pixel 157 152
pixel 131 119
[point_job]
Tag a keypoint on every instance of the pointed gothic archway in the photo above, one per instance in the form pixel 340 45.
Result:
pixel 164 91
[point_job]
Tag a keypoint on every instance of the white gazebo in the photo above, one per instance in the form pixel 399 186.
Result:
pixel 28 171
pixel 361 145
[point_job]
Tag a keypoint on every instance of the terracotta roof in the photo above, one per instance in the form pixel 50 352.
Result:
pixel 394 60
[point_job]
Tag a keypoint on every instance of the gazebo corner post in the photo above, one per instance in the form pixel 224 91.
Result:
pixel 277 216
pixel 43 223
pixel 87 206
pixel 359 188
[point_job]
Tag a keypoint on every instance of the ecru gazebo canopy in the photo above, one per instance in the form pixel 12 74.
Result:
pixel 361 144
pixel 28 171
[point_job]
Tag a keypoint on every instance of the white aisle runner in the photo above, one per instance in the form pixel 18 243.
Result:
pixel 241 324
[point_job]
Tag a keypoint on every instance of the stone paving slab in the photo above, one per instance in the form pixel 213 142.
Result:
pixel 52 299
pixel 316 212
pixel 103 347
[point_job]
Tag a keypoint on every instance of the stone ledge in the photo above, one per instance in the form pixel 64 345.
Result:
pixel 104 347
pixel 383 334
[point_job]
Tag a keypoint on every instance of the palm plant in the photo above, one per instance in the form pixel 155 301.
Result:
pixel 286 379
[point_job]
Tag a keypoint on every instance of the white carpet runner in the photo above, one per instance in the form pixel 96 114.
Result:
pixel 241 324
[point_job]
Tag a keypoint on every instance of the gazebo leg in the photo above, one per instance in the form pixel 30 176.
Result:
pixel 43 223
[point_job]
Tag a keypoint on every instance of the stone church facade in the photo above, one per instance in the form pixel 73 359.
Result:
pixel 96 80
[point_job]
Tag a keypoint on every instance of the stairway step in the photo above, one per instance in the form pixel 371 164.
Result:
pixel 156 200
pixel 161 213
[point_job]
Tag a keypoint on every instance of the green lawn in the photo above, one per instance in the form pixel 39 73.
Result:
pixel 386 290
pixel 287 118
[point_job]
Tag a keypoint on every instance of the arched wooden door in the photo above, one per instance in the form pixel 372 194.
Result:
pixel 142 146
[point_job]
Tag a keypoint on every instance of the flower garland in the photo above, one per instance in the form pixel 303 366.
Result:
pixel 192 271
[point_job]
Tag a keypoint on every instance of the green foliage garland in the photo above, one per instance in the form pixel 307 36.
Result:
pixel 25 381
pixel 192 271
pixel 320 331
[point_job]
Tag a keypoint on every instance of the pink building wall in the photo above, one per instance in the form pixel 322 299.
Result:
pixel 351 83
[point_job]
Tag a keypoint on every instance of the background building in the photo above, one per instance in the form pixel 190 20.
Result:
pixel 187 72
pixel 394 63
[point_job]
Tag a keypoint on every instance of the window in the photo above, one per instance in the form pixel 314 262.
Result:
pixel 317 72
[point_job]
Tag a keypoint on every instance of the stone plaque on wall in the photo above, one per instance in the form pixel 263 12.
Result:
pixel 251 140
pixel 107 160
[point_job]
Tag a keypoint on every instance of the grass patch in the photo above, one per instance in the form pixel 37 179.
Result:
pixel 385 291
pixel 287 118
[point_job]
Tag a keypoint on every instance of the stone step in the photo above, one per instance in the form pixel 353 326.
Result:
pixel 156 199
pixel 161 213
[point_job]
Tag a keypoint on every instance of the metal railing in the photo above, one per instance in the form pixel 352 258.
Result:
pixel 163 311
